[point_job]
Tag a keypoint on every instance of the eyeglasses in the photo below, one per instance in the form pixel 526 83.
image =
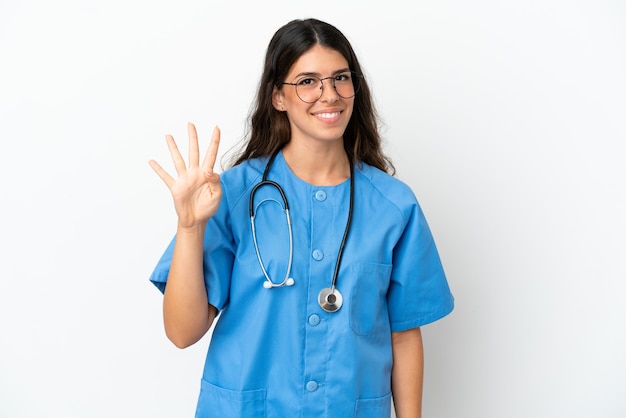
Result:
pixel 310 88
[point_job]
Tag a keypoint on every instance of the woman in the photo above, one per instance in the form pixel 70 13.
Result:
pixel 319 263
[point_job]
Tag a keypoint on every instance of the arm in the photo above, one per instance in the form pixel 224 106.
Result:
pixel 187 315
pixel 407 373
pixel 197 192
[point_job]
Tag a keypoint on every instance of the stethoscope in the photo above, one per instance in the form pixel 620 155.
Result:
pixel 329 298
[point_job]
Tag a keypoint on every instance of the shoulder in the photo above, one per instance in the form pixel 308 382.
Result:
pixel 386 187
pixel 238 180
pixel 245 170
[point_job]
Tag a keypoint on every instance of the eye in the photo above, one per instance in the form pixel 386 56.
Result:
pixel 306 82
pixel 343 77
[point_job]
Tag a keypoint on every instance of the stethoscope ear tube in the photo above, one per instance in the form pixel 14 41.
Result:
pixel 268 283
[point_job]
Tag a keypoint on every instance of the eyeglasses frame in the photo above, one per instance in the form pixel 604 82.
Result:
pixel 332 78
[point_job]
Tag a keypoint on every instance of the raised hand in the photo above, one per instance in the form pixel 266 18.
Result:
pixel 197 190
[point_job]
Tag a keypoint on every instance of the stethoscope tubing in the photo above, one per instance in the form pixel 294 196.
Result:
pixel 287 281
pixel 346 231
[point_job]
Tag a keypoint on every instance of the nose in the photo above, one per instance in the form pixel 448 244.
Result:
pixel 329 94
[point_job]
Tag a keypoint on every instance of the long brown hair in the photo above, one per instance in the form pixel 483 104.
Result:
pixel 269 129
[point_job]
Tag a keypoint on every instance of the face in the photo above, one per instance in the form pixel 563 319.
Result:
pixel 325 120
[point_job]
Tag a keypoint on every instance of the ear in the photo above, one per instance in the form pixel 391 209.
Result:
pixel 277 99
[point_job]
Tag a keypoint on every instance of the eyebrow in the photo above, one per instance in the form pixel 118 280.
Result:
pixel 304 74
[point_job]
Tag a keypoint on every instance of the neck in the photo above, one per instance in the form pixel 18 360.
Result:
pixel 326 165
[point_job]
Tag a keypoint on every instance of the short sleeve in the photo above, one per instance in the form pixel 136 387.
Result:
pixel 217 261
pixel 419 292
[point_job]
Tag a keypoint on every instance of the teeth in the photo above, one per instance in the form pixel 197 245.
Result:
pixel 328 115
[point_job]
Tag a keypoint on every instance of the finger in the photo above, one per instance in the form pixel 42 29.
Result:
pixel 208 164
pixel 194 152
pixel 167 179
pixel 179 162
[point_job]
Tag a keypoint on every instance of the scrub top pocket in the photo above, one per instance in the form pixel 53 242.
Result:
pixel 373 408
pixel 215 401
pixel 368 302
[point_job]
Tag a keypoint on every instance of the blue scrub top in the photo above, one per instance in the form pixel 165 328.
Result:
pixel 275 352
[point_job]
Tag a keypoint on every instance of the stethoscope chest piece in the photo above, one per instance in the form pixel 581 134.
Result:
pixel 330 300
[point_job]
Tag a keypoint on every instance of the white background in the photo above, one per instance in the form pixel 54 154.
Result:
pixel 508 119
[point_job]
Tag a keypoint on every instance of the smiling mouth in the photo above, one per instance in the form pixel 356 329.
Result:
pixel 329 115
